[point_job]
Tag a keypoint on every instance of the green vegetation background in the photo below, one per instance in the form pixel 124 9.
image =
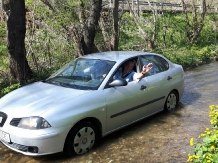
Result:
pixel 48 47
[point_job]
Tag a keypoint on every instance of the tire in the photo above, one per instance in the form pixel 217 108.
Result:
pixel 171 101
pixel 81 138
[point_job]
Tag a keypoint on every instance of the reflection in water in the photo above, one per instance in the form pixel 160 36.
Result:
pixel 162 138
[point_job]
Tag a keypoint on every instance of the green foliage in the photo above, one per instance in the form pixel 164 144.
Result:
pixel 207 150
pixel 214 115
pixel 29 2
pixel 171 31
pixel 3 47
pixel 50 43
pixel 182 56
pixel 192 56
pixel 204 54
pixel 3 56
pixel 130 37
pixel 209 33
pixel 8 89
pixel 2 30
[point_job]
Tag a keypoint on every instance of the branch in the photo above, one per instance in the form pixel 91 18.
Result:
pixel 137 22
pixel 47 3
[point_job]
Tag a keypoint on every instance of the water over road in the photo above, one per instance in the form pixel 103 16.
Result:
pixel 162 138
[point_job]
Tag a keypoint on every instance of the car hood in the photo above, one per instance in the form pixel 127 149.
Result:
pixel 35 99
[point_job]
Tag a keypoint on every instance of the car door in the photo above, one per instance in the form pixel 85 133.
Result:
pixel 124 104
pixel 158 83
pixel 137 100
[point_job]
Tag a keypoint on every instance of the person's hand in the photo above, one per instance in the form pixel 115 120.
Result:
pixel 104 75
pixel 147 68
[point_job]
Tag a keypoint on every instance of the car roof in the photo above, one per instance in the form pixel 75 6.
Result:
pixel 115 55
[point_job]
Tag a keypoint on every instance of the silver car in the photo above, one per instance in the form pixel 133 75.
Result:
pixel 82 102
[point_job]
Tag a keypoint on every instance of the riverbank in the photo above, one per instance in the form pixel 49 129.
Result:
pixel 186 68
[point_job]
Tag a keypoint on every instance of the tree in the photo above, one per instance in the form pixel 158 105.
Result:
pixel 109 24
pixel 16 24
pixel 115 38
pixel 81 19
pixel 149 37
pixel 90 28
pixel 1 6
pixel 194 26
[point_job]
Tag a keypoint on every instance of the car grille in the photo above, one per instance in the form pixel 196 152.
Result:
pixel 19 147
pixel 23 148
pixel 15 121
pixel 3 118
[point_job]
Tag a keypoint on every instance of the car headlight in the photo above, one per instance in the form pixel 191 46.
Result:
pixel 33 123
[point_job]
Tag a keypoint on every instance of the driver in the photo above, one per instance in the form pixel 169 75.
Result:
pixel 129 74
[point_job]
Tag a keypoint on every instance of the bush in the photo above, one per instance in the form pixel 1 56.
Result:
pixel 207 150
pixel 8 89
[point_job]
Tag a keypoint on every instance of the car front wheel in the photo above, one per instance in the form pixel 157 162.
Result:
pixel 81 139
pixel 171 101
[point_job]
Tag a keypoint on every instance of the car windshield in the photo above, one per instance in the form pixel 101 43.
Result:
pixel 81 73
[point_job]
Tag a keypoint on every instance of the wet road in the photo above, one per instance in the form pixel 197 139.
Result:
pixel 162 138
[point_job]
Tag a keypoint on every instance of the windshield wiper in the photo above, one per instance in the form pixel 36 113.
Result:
pixel 67 85
pixel 64 85
pixel 56 83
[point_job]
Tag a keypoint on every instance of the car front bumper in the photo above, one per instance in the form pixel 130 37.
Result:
pixel 36 142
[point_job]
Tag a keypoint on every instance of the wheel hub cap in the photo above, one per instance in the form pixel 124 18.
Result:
pixel 171 102
pixel 84 140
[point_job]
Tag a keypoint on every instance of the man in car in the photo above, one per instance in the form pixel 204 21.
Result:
pixel 127 72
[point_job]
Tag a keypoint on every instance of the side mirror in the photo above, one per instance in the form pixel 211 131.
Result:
pixel 118 82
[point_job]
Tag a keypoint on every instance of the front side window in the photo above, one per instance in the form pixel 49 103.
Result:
pixel 82 74
pixel 127 70
pixel 159 64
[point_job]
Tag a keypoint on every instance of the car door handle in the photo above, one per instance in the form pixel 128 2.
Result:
pixel 169 78
pixel 143 87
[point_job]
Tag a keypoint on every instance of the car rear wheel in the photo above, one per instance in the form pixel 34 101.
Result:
pixel 81 139
pixel 171 101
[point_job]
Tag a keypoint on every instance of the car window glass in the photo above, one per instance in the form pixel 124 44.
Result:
pixel 68 71
pixel 163 64
pixel 118 73
pixel 82 73
pixel 159 64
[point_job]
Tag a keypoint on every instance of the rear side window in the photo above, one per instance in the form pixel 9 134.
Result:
pixel 159 64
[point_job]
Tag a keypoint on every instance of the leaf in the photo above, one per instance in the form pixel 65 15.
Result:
pixel 198 146
pixel 215 157
pixel 199 153
pixel 204 148
pixel 207 140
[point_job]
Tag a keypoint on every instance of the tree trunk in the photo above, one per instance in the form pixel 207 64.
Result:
pixel 115 37
pixel 109 24
pixel 1 11
pixel 90 30
pixel 16 24
pixel 103 23
pixel 1 6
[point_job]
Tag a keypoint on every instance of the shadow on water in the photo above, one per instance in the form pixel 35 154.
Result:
pixel 189 98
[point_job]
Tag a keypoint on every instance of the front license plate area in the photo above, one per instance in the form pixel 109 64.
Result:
pixel 5 136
